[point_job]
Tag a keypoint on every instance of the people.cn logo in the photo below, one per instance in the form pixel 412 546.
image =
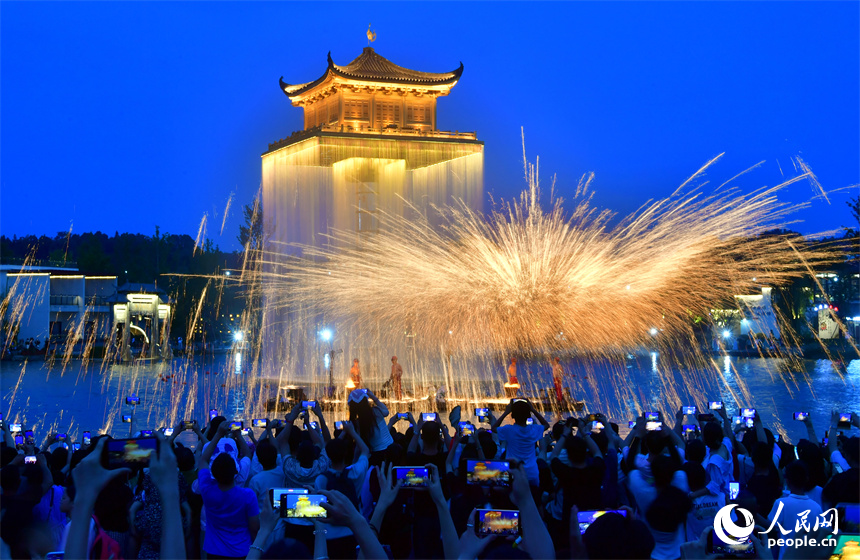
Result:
pixel 727 531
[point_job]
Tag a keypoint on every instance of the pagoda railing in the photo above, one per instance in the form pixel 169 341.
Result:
pixel 387 131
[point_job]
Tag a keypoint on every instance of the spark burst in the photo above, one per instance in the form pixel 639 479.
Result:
pixel 527 281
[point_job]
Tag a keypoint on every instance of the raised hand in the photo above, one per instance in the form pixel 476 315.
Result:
pixel 471 545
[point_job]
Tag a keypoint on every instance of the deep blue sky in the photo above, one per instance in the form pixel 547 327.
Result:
pixel 123 116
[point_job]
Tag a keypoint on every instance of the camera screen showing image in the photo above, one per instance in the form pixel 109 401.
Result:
pixel 19 440
pixel 505 522
pixel 631 424
pixel 28 435
pixel 466 428
pixel 259 422
pixel 734 490
pixel 801 416
pixel 237 425
pixel 86 438
pixel 530 421
pixel 338 425
pixel 690 429
pixel 314 425
pixel 597 426
pixel 129 453
pixel 15 428
pixel 303 505
pixel 429 416
pixel 488 473
pixel 168 432
pixel 188 424
pixel 748 412
pixel 213 413
pixel 652 416
pixel 403 415
pixel 482 413
pixel 844 421
pixel 134 399
pixel 653 426
pixel 719 547
pixel 586 518
pixel 412 477
pixel 146 433
pixel 29 459
pixel 61 437
pixel 689 410
pixel 309 404
pixel 715 405
pixel 278 493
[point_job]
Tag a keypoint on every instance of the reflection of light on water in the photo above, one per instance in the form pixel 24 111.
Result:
pixel 727 366
pixel 853 369
pixel 238 359
pixel 653 362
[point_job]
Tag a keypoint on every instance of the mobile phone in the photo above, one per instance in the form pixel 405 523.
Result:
pixel 29 437
pixel 237 425
pixel 689 410
pixel 586 518
pixel 259 422
pixel 146 433
pixel 412 477
pixel 488 473
pixel 76 446
pixel 188 424
pixel 128 453
pixel 466 427
pixel 801 416
pixel 126 418
pixel 14 428
pixel 747 422
pixel 338 425
pixel 303 505
pixel 596 427
pixel 748 412
pixel 715 405
pixel 631 424
pixel 428 416
pixel 504 522
pixel 30 460
pixel 19 440
pixel 653 426
pixel 689 429
pixel 314 425
pixel 652 416
pixel 213 413
pixel 404 415
pixel 277 493
pixel 734 490
pixel 530 421
pixel 168 432
pixel 718 547
pixel 133 399
pixel 482 414
pixel 245 431
pixel 309 404
pixel 86 438
pixel 823 442
pixel 58 555
pixel 61 437
pixel 844 421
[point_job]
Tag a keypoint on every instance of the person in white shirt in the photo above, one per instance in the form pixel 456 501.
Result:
pixel 790 511
pixel 270 477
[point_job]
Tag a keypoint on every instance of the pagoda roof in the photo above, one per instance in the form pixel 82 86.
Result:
pixel 371 67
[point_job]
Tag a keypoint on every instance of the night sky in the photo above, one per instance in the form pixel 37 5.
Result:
pixel 127 115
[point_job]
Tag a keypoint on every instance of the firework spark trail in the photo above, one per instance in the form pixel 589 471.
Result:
pixel 226 212
pixel 201 236
pixel 527 281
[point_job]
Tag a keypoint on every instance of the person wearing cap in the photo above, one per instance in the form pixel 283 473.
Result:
pixel 368 414
pixel 396 375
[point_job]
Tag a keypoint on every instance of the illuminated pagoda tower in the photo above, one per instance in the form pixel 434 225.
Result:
pixel 370 144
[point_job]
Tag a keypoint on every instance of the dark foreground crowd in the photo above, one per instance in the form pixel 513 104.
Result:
pixel 662 486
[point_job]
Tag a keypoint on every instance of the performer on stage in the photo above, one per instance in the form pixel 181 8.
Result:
pixel 512 373
pixel 557 376
pixel 355 374
pixel 396 375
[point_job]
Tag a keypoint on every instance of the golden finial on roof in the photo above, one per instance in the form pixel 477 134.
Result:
pixel 371 35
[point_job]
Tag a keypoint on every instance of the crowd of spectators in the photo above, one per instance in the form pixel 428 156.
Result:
pixel 212 497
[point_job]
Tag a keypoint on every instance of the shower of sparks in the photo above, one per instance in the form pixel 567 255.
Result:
pixel 226 213
pixel 528 281
pixel 201 235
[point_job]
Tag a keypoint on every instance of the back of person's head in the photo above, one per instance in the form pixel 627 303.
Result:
pixel 813 458
pixel 393 454
pixel 224 469
pixel 431 433
pixel 336 450
pixel 696 476
pixel 213 427
pixel 762 456
pixel 361 416
pixel 487 444
pixel 668 510
pixel 577 450
pixel 57 460
pixel 663 468
pixel 286 548
pixel 112 505
pixel 695 451
pixel 557 430
pixel 602 440
pixel 796 477
pixel 7 454
pixel 654 442
pixel 770 438
pixel 306 454
pixel 520 412
pixel 267 455
pixel 184 458
pixel 295 439
pixel 712 433
pixel 602 541
pixel 10 479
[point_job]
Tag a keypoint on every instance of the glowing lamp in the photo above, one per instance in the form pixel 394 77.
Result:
pixel 726 334
pixel 238 336
pixel 653 332
pixel 326 335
